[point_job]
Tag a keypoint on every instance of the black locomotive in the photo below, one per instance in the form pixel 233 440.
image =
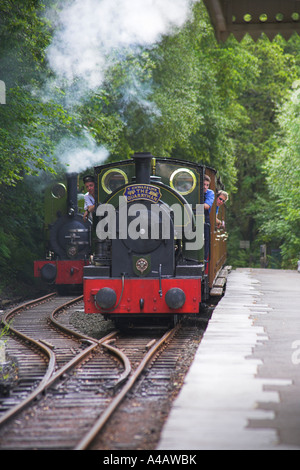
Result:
pixel 67 234
pixel 144 253
pixel 149 252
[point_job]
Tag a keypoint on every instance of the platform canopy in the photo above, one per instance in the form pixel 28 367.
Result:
pixel 254 17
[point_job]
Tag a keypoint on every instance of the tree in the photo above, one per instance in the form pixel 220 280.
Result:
pixel 29 128
pixel 260 97
pixel 29 124
pixel 281 221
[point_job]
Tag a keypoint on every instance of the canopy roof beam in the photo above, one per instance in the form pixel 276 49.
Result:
pixel 239 17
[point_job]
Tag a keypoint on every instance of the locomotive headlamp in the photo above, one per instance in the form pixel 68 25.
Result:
pixel 58 190
pixel 175 298
pixel 106 298
pixel 183 180
pixel 113 179
pixel 49 272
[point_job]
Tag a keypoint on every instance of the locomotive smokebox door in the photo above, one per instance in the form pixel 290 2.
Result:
pixel 147 243
pixel 145 232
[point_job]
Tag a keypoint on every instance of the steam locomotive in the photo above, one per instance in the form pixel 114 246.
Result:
pixel 144 254
pixel 67 236
pixel 149 249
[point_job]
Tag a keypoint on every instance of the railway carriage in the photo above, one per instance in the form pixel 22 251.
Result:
pixel 216 270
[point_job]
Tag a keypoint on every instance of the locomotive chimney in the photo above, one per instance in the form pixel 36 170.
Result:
pixel 72 193
pixel 143 167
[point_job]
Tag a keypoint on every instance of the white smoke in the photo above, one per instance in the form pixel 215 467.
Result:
pixel 78 154
pixel 91 30
pixel 92 35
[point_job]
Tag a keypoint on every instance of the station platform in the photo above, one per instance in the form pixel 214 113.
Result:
pixel 242 391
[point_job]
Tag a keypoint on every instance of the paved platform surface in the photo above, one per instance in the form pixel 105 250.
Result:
pixel 243 388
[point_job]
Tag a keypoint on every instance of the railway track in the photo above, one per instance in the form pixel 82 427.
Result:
pixel 39 348
pixel 79 381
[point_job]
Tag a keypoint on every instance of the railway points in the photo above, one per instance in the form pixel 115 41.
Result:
pixel 242 390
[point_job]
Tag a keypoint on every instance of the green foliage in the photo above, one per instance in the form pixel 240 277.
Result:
pixel 185 97
pixel 283 179
pixel 29 126
pixel 170 100
pixel 29 130
pixel 272 73
pixel 20 233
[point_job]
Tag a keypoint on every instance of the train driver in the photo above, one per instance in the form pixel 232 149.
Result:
pixel 89 197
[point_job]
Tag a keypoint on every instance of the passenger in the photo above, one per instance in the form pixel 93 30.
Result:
pixel 209 197
pixel 89 197
pixel 222 197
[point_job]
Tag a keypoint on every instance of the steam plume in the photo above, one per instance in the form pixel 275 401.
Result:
pixel 92 34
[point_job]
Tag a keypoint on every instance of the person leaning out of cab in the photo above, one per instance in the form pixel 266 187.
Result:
pixel 89 197
pixel 222 197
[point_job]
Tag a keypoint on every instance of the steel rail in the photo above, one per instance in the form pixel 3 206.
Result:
pixel 39 344
pixel 124 359
pixel 69 365
pixel 99 424
pixel 52 359
pixel 50 377
pixel 63 327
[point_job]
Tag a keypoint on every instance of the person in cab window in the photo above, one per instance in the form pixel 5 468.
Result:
pixel 222 197
pixel 209 197
pixel 89 197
